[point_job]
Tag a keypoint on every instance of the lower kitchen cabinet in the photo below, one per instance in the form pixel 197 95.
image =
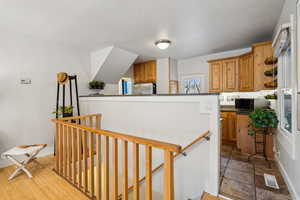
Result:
pixel 245 142
pixel 228 125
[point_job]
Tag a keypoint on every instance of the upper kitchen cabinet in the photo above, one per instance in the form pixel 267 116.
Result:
pixel 246 73
pixel 223 75
pixel 261 51
pixel 145 72
pixel 230 73
pixel 215 76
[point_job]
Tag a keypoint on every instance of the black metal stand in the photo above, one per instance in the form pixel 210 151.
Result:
pixel 71 78
pixel 262 142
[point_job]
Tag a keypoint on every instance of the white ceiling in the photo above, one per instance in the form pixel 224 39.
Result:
pixel 195 27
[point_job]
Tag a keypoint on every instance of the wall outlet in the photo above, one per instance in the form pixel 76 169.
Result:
pixel 25 81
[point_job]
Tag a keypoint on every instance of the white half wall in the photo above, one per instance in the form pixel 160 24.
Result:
pixel 26 110
pixel 173 119
pixel 199 66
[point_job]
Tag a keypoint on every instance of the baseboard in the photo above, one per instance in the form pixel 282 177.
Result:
pixel 47 151
pixel 288 181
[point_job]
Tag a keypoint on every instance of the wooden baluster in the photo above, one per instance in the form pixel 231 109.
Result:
pixel 91 148
pixel 125 171
pixel 56 147
pixel 115 170
pixel 148 173
pixel 98 162
pixel 136 169
pixel 98 121
pixel 79 157
pixel 168 176
pixel 69 152
pixel 98 168
pixel 73 136
pixel 65 146
pixel 61 150
pixel 91 122
pixel 84 153
pixel 106 168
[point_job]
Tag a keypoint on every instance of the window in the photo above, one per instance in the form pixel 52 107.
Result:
pixel 286 91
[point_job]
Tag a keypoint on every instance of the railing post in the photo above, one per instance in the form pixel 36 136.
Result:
pixel 168 176
pixel 148 173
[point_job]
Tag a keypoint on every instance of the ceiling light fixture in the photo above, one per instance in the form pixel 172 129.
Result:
pixel 163 44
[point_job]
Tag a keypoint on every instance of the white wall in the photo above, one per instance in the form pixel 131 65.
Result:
pixel 162 76
pixel 289 166
pixel 26 110
pixel 199 66
pixel 173 119
pixel 289 8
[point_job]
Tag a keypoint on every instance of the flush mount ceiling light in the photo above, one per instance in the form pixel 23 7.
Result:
pixel 163 44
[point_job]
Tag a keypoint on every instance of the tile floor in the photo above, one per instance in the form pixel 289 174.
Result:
pixel 243 180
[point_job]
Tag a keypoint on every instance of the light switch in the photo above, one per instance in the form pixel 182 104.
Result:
pixel 25 81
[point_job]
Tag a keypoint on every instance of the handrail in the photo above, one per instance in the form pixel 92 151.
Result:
pixel 144 141
pixel 78 117
pixel 203 136
pixel 83 153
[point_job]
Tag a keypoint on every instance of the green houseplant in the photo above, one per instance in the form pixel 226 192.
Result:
pixel 99 85
pixel 68 111
pixel 263 120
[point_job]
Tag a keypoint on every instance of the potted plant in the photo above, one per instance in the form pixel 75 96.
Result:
pixel 98 85
pixel 262 121
pixel 68 111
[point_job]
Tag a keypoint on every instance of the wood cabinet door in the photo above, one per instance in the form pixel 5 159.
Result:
pixel 224 126
pixel 230 72
pixel 245 142
pixel 215 76
pixel 150 71
pixel 231 118
pixel 246 76
pixel 136 73
pixel 139 73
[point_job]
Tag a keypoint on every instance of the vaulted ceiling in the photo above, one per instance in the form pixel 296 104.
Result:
pixel 195 27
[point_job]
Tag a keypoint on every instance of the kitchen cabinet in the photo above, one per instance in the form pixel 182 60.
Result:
pixel 145 72
pixel 246 143
pixel 228 125
pixel 223 75
pixel 215 77
pixel 246 73
pixel 261 51
pixel 230 72
pixel 242 73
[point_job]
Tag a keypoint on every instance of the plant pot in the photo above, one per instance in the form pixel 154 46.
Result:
pixel 68 115
pixel 273 104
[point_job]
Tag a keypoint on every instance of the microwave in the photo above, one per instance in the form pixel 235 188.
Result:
pixel 250 103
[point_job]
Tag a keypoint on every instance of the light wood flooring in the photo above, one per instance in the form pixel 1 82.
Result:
pixel 45 184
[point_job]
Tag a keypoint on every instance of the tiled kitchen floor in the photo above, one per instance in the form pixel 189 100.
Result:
pixel 244 180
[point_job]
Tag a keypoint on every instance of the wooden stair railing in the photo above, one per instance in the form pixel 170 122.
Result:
pixel 198 139
pixel 79 159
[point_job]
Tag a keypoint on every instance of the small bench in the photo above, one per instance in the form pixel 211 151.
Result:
pixel 29 151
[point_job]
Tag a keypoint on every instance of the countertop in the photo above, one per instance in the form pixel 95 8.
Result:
pixel 233 109
pixel 150 95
